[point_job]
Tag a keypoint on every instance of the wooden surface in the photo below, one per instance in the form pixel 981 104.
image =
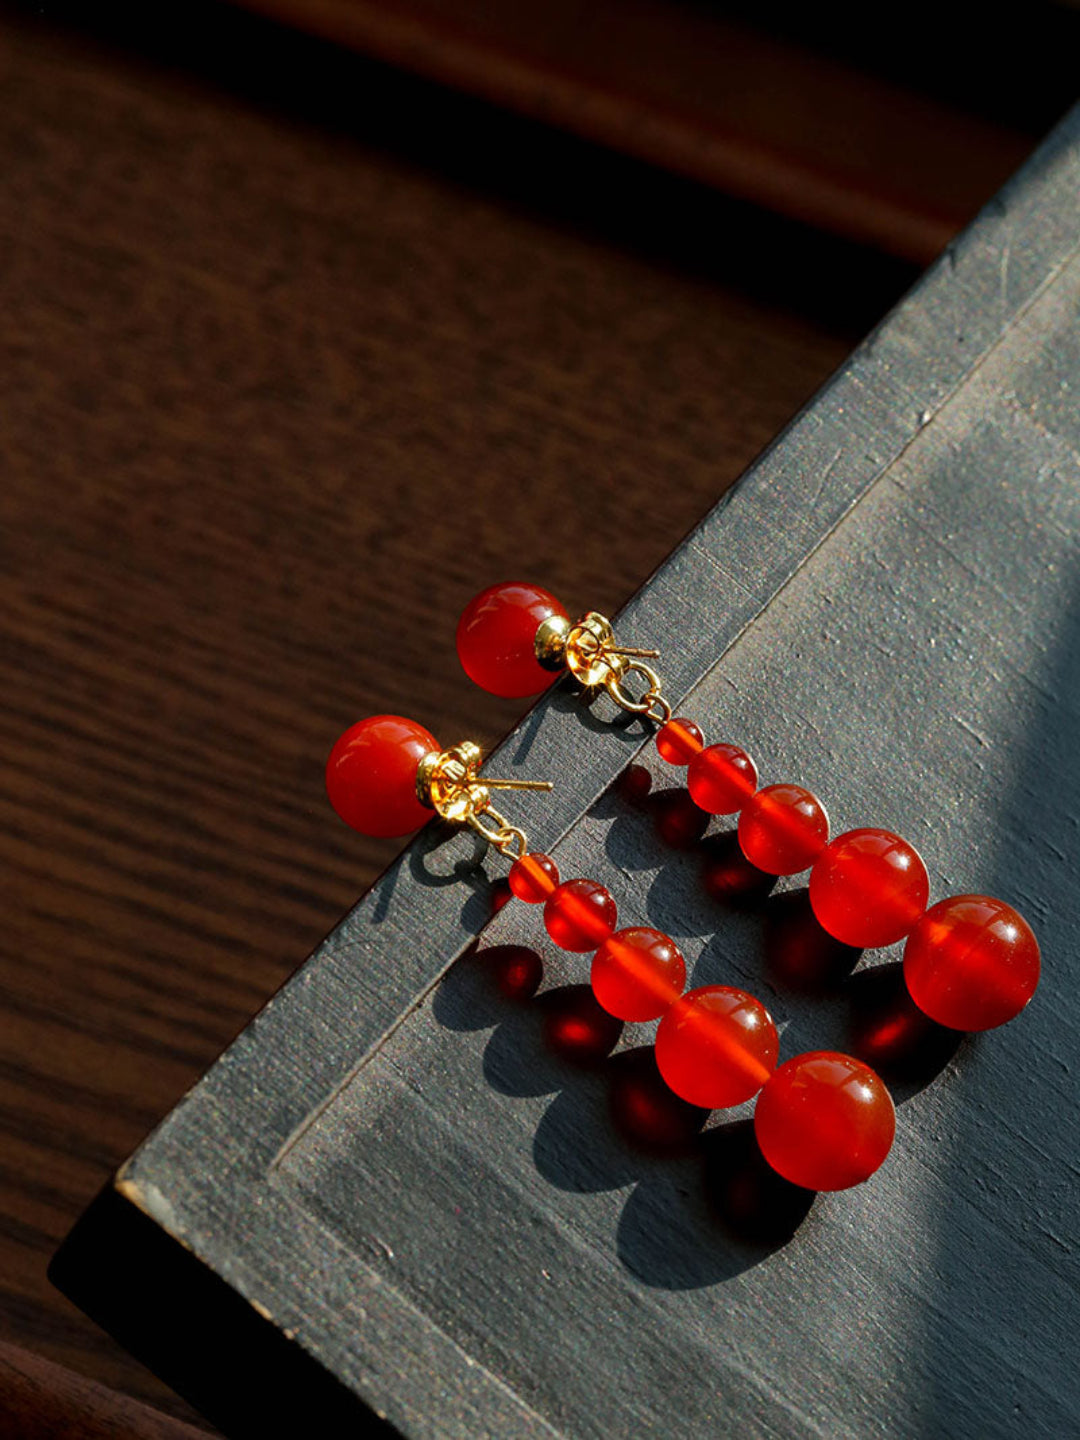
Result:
pixel 404 1176
pixel 294 362
pixel 689 87
pixel 43 1401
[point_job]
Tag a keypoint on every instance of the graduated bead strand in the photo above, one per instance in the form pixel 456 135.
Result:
pixel 715 1047
pixel 824 1120
pixel 970 962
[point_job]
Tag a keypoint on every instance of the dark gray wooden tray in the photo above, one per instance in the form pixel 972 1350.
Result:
pixel 392 1197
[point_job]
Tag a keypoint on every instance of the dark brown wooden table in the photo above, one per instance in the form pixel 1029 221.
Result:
pixel 299 353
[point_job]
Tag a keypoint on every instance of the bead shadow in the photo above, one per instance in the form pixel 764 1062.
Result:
pixel 537 1048
pixel 801 956
pixel 635 1125
pixel 728 878
pixel 580 1113
pixel 699 1224
pixel 479 989
pixel 892 1035
pixel 747 1196
pixel 633 841
pixel 613 1122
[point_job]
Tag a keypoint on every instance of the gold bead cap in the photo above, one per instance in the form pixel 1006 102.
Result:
pixel 550 642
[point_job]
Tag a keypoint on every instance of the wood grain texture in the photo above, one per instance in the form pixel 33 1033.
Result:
pixel 690 88
pixel 407 1179
pixel 293 363
pixel 43 1401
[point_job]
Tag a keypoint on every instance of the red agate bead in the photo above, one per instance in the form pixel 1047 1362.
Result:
pixel 679 740
pixel 869 887
pixel 533 877
pixel 580 914
pixel 783 829
pixel 721 779
pixel 825 1121
pixel 716 1046
pixel 496 638
pixel 371 775
pixel 971 962
pixel 638 973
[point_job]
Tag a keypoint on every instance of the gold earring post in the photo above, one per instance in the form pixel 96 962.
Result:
pixel 449 781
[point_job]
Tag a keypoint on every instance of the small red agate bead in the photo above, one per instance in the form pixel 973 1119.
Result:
pixel 716 1046
pixel 637 974
pixel 971 963
pixel 679 740
pixel 783 829
pixel 533 877
pixel 496 638
pixel 868 888
pixel 371 775
pixel 825 1121
pixel 580 915
pixel 721 779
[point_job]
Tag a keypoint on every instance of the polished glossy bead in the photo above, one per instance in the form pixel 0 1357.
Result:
pixel 721 779
pixel 783 829
pixel 637 974
pixel 825 1121
pixel 869 887
pixel 580 915
pixel 716 1046
pixel 496 638
pixel 371 775
pixel 971 962
pixel 533 877
pixel 679 741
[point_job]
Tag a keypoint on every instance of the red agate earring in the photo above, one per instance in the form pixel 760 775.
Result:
pixel 832 1121
pixel 716 1046
pixel 823 1120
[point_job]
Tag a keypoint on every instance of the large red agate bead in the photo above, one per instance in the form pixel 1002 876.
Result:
pixel 496 638
pixel 371 775
pixel 716 1046
pixel 825 1121
pixel 580 915
pixel 971 962
pixel 721 778
pixel 869 888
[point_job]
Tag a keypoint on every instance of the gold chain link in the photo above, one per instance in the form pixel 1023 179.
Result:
pixel 653 704
pixel 506 838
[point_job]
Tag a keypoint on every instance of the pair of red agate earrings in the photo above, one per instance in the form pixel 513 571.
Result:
pixel 823 1120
